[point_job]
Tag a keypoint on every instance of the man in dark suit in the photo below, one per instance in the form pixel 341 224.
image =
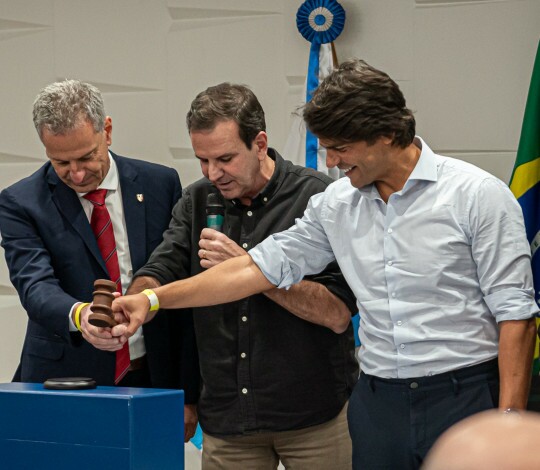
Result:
pixel 54 256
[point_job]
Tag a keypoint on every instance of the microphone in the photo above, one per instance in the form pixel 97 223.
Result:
pixel 215 211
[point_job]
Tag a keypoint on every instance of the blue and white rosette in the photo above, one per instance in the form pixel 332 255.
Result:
pixel 319 22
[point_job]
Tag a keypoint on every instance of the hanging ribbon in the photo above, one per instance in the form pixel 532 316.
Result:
pixel 319 22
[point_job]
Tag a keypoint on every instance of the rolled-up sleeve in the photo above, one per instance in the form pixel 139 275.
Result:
pixel 512 304
pixel 273 263
pixel 502 252
pixel 286 257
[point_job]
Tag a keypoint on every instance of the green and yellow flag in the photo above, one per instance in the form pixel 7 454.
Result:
pixel 525 180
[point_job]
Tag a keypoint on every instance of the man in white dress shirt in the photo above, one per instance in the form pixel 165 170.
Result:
pixel 434 250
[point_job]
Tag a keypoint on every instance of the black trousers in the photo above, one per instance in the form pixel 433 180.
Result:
pixel 394 422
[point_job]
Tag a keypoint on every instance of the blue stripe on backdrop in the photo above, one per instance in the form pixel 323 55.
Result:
pixel 356 325
pixel 196 440
pixel 530 206
pixel 312 82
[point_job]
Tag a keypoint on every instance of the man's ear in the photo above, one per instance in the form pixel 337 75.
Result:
pixel 107 127
pixel 387 139
pixel 261 142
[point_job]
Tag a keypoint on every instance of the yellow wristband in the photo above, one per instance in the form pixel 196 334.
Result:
pixel 152 297
pixel 77 316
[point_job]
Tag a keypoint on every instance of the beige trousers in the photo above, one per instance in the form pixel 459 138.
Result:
pixel 322 447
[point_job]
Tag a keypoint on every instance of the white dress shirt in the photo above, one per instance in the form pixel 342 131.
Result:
pixel 433 269
pixel 113 202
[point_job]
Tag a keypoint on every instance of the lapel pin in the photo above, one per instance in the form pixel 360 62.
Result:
pixel 140 197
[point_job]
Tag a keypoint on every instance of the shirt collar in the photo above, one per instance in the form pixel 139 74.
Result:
pixel 369 191
pixel 426 167
pixel 110 182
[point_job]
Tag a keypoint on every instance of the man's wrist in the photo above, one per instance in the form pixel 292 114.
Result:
pixel 152 298
pixel 77 315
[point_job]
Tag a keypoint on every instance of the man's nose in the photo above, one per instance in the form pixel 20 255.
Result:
pixel 332 159
pixel 76 173
pixel 214 172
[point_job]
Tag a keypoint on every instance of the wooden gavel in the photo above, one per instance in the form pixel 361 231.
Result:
pixel 101 307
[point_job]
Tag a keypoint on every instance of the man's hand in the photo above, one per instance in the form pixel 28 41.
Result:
pixel 100 338
pixel 135 310
pixel 190 421
pixel 216 247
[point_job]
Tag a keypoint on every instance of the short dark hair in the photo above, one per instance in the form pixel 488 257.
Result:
pixel 225 102
pixel 357 102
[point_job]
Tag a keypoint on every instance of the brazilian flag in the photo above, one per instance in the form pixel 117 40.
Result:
pixel 525 180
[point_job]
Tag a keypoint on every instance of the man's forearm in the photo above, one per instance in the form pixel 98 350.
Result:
pixel 231 280
pixel 142 282
pixel 313 302
pixel 516 348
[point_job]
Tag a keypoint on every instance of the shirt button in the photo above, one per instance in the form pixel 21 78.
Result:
pixel 390 263
pixel 244 391
pixel 399 323
pixel 390 230
pixel 402 346
pixel 244 245
pixel 244 318
pixel 265 199
pixel 243 355
pixel 249 213
pixel 413 385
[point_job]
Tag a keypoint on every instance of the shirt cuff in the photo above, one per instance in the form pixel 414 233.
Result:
pixel 72 327
pixel 273 263
pixel 512 304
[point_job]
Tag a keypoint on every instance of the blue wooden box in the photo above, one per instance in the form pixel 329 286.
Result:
pixel 103 428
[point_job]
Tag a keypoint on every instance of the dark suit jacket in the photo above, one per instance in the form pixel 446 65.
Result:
pixel 53 259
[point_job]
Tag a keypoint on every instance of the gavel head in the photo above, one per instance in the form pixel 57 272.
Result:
pixel 102 315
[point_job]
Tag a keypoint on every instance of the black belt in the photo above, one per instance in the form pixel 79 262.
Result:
pixel 488 367
pixel 138 364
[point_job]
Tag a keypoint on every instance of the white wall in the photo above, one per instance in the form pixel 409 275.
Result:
pixel 464 66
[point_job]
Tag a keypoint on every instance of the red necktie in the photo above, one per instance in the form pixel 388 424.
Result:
pixel 103 230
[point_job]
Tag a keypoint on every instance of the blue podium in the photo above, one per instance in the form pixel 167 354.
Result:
pixel 102 428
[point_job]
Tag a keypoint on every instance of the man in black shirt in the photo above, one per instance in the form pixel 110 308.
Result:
pixel 277 368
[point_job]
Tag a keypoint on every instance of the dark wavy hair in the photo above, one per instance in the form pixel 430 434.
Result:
pixel 357 102
pixel 226 102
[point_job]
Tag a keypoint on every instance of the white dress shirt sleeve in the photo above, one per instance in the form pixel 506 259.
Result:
pixel 501 252
pixel 286 257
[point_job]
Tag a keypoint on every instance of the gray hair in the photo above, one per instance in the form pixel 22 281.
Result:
pixel 63 106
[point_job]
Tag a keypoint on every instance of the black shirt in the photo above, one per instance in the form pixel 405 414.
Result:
pixel 262 368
